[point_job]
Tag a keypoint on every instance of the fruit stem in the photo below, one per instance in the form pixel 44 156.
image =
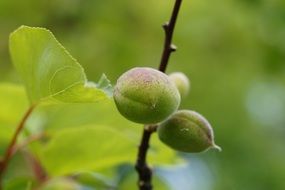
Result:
pixel 144 171
pixel 11 148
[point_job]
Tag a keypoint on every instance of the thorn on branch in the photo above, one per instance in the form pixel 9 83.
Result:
pixel 165 26
pixel 173 47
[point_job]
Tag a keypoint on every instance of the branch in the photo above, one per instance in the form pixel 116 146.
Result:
pixel 169 29
pixel 144 171
pixel 11 148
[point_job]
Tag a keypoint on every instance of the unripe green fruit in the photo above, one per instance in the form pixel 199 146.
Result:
pixel 187 131
pixel 181 81
pixel 145 95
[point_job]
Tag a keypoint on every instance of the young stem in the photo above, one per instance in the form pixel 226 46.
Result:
pixel 37 168
pixel 10 150
pixel 169 29
pixel 144 171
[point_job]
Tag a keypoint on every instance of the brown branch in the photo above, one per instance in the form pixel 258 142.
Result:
pixel 144 171
pixel 10 150
pixel 169 29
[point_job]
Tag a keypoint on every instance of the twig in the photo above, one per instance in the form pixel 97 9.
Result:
pixel 10 150
pixel 169 29
pixel 144 171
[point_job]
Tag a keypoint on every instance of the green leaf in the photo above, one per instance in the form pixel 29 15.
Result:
pixel 19 173
pixel 104 113
pixel 93 180
pixel 12 96
pixel 61 183
pixel 23 183
pixel 13 103
pixel 86 148
pixel 49 71
pixel 105 84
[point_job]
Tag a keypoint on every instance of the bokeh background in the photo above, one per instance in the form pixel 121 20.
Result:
pixel 232 50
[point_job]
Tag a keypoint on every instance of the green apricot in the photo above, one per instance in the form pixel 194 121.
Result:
pixel 145 95
pixel 181 81
pixel 187 131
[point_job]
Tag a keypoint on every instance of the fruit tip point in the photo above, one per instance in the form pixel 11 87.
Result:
pixel 214 146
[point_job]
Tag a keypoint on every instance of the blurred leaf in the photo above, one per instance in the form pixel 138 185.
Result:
pixel 48 70
pixel 105 113
pixel 19 174
pixel 94 181
pixel 159 154
pixel 60 184
pixel 13 103
pixel 19 184
pixel 86 148
pixel 12 96
pixel 65 116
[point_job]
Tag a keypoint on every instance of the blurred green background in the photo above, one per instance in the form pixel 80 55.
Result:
pixel 232 50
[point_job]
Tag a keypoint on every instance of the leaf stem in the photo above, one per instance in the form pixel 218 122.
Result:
pixel 37 168
pixel 10 150
pixel 144 171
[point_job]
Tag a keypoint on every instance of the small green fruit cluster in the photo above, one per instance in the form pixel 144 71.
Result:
pixel 145 95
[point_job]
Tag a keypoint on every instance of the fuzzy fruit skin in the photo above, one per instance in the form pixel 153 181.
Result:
pixel 187 131
pixel 182 82
pixel 145 95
